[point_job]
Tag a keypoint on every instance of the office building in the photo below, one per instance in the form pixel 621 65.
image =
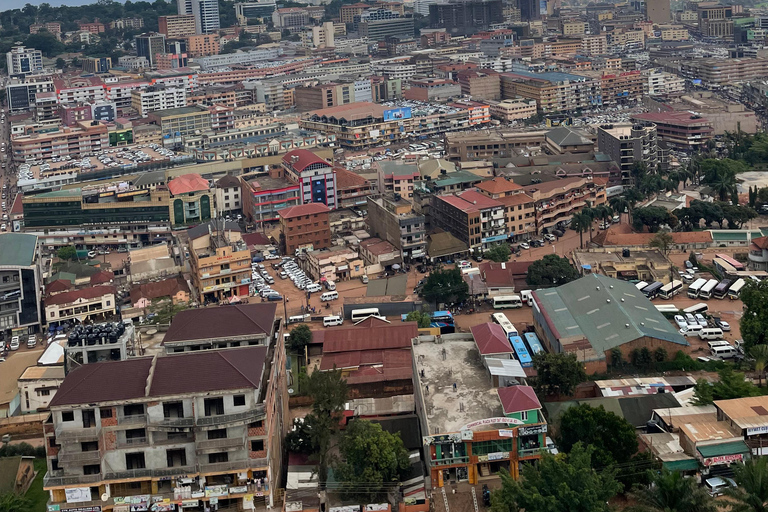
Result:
pixel 221 264
pixel 679 130
pixel 627 144
pixel 178 26
pixel 472 217
pixel 291 18
pixel 156 98
pixel 304 226
pixel 191 200
pixel 21 61
pixel 391 218
pixel 20 284
pixel 481 84
pixel 184 7
pixel 150 44
pixel 553 92
pixel 722 72
pixel 74 141
pixel 203 45
pixel 466 17
pixel 715 20
pixel 315 177
pixel 512 109
pixel 260 9
pixel 96 64
pixel 530 10
pixel 206 14
pixel 182 121
pixel 264 196
pixel 21 94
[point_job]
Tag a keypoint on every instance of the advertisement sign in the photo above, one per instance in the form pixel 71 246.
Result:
pixel 190 503
pixel 723 459
pixel 498 456
pixel 162 507
pixel 394 114
pixel 85 509
pixel 492 421
pixel 216 490
pixel 238 490
pixel 532 431
pixel 78 494
pixel 756 431
pixel 507 433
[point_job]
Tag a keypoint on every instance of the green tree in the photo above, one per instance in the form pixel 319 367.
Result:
pixel 61 63
pixel 759 354
pixel 652 217
pixel 299 439
pixel 300 337
pixel 660 354
pixel 420 317
pixel 46 43
pixel 612 437
pixel 373 461
pixel 581 223
pixel 754 321
pixel 670 491
pixel 551 270
pixel 498 253
pixel 604 213
pixel 662 241
pixel 67 252
pixel 751 495
pixel 558 484
pixel 557 373
pixel 12 502
pixel 328 391
pixel 445 285
pixel 619 204
pixel 730 384
pixel 720 175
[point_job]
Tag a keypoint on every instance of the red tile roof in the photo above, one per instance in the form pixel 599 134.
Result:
pixel 59 285
pixel 103 277
pixel 221 321
pixel 161 289
pixel 502 274
pixel 498 185
pixel 490 339
pixel 18 205
pixel 304 158
pixel 347 179
pixel 761 243
pixel 255 239
pixel 518 398
pixel 303 209
pixel 362 337
pixel 515 199
pixel 84 293
pixel 470 201
pixel 187 183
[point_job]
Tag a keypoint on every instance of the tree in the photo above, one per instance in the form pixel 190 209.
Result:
pixel 557 373
pixel 720 175
pixel 759 353
pixel 751 495
pixel 299 439
pixel 670 491
pixel 731 384
pixel 300 337
pixel 420 317
pixel 328 391
pixel 619 204
pixel 662 241
pixel 373 461
pixel 754 321
pixel 604 213
pixel 12 502
pixel 498 253
pixel 46 43
pixel 612 437
pixel 551 270
pixel 581 223
pixel 445 285
pixel 652 217
pixel 558 484
pixel 67 252
pixel 61 63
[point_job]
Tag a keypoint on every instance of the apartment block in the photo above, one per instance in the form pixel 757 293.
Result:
pixel 680 130
pixel 482 84
pixel 627 144
pixel 519 209
pixel 177 26
pixel 661 83
pixel 220 261
pixel 54 27
pixel 264 196
pixel 391 218
pixel 553 92
pixel 154 98
pixel 472 217
pixel 203 45
pixel 73 141
pixel 305 226
pixel 556 201
pixel 512 109
pixel 20 283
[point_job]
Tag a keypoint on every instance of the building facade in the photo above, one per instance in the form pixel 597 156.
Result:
pixel 22 61
pixel 392 219
pixel 316 177
pixel 176 26
pixel 20 284
pixel 304 226
pixel 472 217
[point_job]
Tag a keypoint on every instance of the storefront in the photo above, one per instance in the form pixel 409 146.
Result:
pixel 716 458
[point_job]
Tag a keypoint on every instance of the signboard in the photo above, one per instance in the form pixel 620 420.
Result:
pixel 393 114
pixel 238 490
pixel 96 508
pixel 216 490
pixel 494 238
pixel 756 431
pixel 531 431
pixel 78 494
pixel 492 421
pixel 498 456
pixel 507 433
pixel 723 459
pixel 190 503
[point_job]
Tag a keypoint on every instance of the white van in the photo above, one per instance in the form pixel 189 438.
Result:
pixel 330 285
pixel 691 330
pixel 718 343
pixel 299 318
pixel 314 287
pixel 711 333
pixel 527 297
pixel 327 296
pixel 723 352
pixel 329 321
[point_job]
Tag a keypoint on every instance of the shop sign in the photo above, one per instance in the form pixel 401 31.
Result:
pixel 78 494
pixel 54 508
pixel 84 509
pixel 506 433
pixel 190 503
pixel 238 490
pixel 216 490
pixel 756 431
pixel 162 507
pixel 493 421
pixel 443 439
pixel 531 431
pixel 723 459
pixel 498 456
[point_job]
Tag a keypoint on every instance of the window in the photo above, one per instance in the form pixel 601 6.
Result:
pixel 176 457
pixel 43 392
pixel 214 406
pixel 91 446
pixel 133 410
pixel 524 415
pixel 220 433
pixel 213 458
pixel 135 461
pixel 105 412
pixel 89 418
pixel 92 469
pixel 257 445
pixel 238 400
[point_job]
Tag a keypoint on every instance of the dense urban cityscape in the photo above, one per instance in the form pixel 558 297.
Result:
pixel 384 255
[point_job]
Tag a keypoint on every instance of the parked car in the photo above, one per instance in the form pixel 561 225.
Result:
pixel 524 245
pixel 465 264
pixel 550 237
pixel 15 343
pixel 680 321
pixel 725 326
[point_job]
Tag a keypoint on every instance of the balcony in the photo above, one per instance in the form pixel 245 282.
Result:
pixel 172 423
pixel 188 438
pixel 128 473
pixel 176 470
pixel 450 461
pixel 132 442
pixel 232 465
pixel 77 435
pixel 229 442
pixel 57 479
pixel 133 419
pixel 240 417
pixel 79 458
pixel 529 452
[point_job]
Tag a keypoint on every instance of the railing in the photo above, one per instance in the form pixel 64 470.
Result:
pixel 232 465
pixel 250 414
pixel 132 442
pixel 229 442
pixel 450 460
pixel 56 478
pixel 176 470
pixel 173 422
pixel 133 419
pixel 66 458
pixel 64 435
pixel 128 473
pixel 529 452
pixel 173 440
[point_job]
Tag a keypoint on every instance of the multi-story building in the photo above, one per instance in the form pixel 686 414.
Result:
pixel 38 386
pixel 594 45
pixel 316 177
pixel 183 7
pixel 661 83
pixel 658 11
pixel 21 61
pixel 261 9
pixel 79 89
pixel 472 217
pixel 553 92
pixel 181 122
pixel 674 33
pixel 489 144
pixel 482 84
pixel 222 119
pixel 715 20
pixel 176 26
pixel 721 72
pixel 574 27
pixel 21 94
pixel 401 27
pixel 203 45
pixel 220 261
pixel 264 196
pixel 156 98
pixel 206 13
pixel 396 177
pixel 477 112
pixel 96 343
pixel 466 18
pixel 291 18
pixel 96 64
pixel 93 303
pixel 95 27
pixel 126 23
pixel 331 94
pixel 126 430
pixel 20 284
pixel 319 37
pixel 679 130
pixel 191 200
pixel 304 226
pixel 53 27
pixel 627 144
pixel 391 218
pixel 171 60
pixel 512 109
pixel 73 141
pixel 133 62
pixel 520 214
pixel 432 89
pixel 556 201
pixel 238 58
pixel 350 11
pixel 228 194
pixel 150 44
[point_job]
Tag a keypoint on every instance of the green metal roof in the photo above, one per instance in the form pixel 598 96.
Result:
pixel 607 312
pixel 725 235
pixel 454 178
pixel 70 192
pixel 681 465
pixel 716 450
pixel 17 249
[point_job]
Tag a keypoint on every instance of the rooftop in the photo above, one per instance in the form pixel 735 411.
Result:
pixel 498 185
pixel 470 201
pixel 518 398
pixel 221 322
pixel 303 209
pixel 678 118
pixel 69 297
pixel 300 159
pixel 749 412
pixel 17 249
pixel 491 339
pixel 351 111
pixel 188 183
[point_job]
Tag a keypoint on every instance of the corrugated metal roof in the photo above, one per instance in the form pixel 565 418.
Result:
pixel 729 448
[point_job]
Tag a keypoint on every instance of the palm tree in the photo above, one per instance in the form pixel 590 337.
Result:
pixel 760 354
pixel 751 495
pixel 590 213
pixel 619 204
pixel 670 491
pixel 580 222
pixel 604 213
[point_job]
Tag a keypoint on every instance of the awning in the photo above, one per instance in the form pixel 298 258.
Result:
pixel 681 465
pixel 716 450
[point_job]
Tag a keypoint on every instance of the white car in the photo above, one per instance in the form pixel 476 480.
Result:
pixel 725 326
pixel 701 320
pixel 550 237
pixel 524 245
pixel 680 321
pixel 15 343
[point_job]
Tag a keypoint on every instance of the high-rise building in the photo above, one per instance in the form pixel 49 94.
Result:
pixel 466 18
pixel 182 25
pixel 22 60
pixel 627 144
pixel 150 44
pixel 529 10
pixel 206 14
pixel 184 7
pixel 658 11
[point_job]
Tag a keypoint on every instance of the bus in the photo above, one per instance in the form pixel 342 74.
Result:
pixel 732 262
pixel 723 266
pixel 721 290
pixel 520 351
pixel 669 290
pixel 362 314
pixel 693 289
pixel 533 343
pixel 667 308
pixel 701 307
pixel 652 290
pixel 506 325
pixel 735 290
pixel 706 290
pixel 507 301
pixel 641 285
pixel 442 319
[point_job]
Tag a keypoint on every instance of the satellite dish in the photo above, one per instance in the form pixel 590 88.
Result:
pixel 104 497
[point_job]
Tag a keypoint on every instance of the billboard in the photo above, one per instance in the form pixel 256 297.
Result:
pixel 394 114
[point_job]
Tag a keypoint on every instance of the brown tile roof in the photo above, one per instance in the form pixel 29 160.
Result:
pixel 518 398
pixel 490 339
pixel 761 243
pixel 377 246
pixel 57 286
pixel 221 321
pixel 515 199
pixel 363 337
pixel 165 288
pixel 108 381
pixel 103 277
pixel 18 205
pixel 91 292
pixel 502 274
pixel 347 179
pixel 228 181
pixel 303 209
pixel 255 239
pixel 498 185
pixel 551 186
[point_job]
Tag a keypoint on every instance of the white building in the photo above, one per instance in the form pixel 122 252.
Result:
pixel 131 62
pixel 184 6
pixel 317 37
pixel 238 58
pixel 21 60
pixel 206 14
pixel 661 83
pixel 228 194
pixel 38 386
pixel 157 98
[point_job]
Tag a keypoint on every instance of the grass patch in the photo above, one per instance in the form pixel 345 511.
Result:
pixel 36 494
